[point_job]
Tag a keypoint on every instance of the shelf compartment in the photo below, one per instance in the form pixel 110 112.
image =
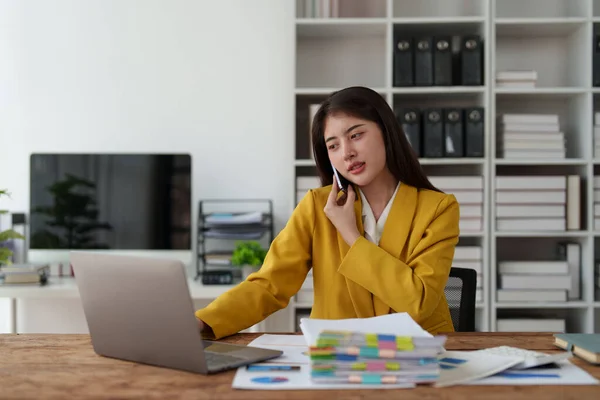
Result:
pixel 341 9
pixel 574 318
pixel 340 28
pixel 438 9
pixel 538 27
pixel 558 59
pixel 342 60
pixel 519 249
pixel 573 122
pixel 541 8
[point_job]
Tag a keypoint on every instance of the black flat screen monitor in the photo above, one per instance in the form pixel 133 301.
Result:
pixel 110 201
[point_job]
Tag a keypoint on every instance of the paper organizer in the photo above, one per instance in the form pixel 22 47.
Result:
pixel 353 357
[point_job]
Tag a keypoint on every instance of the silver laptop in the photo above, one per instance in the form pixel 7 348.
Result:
pixel 139 309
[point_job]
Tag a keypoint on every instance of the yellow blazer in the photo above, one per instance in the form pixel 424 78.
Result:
pixel 407 272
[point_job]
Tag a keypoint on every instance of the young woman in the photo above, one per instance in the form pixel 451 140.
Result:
pixel 387 248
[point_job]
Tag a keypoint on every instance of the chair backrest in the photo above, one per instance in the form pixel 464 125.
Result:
pixel 460 293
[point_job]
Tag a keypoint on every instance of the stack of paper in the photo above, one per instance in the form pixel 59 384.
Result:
pixel 400 324
pixel 353 357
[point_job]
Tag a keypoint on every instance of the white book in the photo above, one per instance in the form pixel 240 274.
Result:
pixel 470 224
pixel 543 295
pixel 307 182
pixel 596 195
pixel 597 182
pixel 517 74
pixel 596 209
pixel 531 182
pixel 530 224
pixel 541 136
pixel 538 210
pixel 305 296
pixel 515 84
pixel 518 281
pixel 597 224
pixel 469 210
pixel 449 183
pixel 573 202
pixel 478 295
pixel 464 197
pixel 528 127
pixel 597 118
pixel 530 325
pixel 537 154
pixel 529 118
pixel 468 253
pixel 533 267
pixel 477 266
pixel 531 145
pixel 531 197
pixel 571 252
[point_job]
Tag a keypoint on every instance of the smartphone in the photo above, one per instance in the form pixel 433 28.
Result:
pixel 341 197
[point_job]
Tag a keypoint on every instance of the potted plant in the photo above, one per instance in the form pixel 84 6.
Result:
pixel 5 236
pixel 249 255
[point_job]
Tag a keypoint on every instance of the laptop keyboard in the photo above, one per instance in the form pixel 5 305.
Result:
pixel 216 360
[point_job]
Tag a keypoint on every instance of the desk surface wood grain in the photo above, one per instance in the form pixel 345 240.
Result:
pixel 65 366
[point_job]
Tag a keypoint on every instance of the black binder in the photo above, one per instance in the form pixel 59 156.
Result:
pixel 453 132
pixel 433 133
pixel 474 132
pixel 596 60
pixel 424 61
pixel 403 61
pixel 471 55
pixel 410 121
pixel 442 61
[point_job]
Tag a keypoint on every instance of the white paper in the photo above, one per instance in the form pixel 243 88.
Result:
pixel 458 367
pixel 297 380
pixel 390 324
pixel 295 350
pixel 567 374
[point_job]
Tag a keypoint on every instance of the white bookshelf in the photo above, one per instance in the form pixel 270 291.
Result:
pixel 553 37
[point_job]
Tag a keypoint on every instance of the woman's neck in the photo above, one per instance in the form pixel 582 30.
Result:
pixel 379 192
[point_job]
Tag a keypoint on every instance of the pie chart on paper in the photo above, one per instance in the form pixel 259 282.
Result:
pixel 269 379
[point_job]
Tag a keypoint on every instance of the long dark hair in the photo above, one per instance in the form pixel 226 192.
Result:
pixel 364 103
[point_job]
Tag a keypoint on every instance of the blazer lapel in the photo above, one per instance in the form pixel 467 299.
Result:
pixel 396 231
pixel 361 297
pixel 397 227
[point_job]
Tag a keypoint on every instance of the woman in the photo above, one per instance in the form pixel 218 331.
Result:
pixel 387 248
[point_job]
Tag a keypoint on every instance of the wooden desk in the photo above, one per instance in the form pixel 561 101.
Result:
pixel 61 366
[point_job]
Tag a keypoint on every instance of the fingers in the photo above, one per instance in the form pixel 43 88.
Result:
pixel 334 191
pixel 350 196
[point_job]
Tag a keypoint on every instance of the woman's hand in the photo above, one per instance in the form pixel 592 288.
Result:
pixel 342 216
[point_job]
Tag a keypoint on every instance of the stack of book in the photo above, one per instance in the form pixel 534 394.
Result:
pixel 597 135
pixel 24 274
pixel 555 280
pixel 471 257
pixel 468 191
pixel 597 203
pixel 530 136
pixel 538 203
pixel 521 79
pixel 304 184
pixel 531 324
pixel 363 358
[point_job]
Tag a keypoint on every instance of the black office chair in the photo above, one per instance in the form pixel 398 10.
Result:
pixel 460 293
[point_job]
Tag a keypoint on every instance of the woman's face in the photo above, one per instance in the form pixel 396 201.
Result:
pixel 355 147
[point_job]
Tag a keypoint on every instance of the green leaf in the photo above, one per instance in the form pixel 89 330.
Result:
pixel 10 234
pixel 5 255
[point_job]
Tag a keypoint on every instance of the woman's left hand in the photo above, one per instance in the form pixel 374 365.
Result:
pixel 343 216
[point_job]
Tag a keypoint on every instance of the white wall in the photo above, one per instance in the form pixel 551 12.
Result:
pixel 213 78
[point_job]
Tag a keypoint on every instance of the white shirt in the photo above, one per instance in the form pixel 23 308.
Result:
pixel 374 229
